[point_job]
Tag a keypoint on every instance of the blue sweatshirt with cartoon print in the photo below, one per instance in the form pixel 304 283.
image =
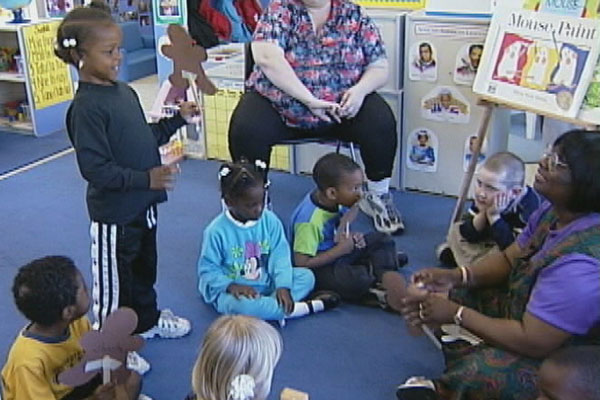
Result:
pixel 256 254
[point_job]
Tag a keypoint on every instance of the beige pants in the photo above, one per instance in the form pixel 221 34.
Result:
pixel 466 253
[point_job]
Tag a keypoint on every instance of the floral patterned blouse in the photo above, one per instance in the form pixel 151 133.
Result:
pixel 327 62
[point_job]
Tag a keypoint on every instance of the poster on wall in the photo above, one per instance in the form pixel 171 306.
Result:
pixel 467 63
pixel 168 12
pixel 422 154
pixel 469 149
pixel 445 104
pixel 590 110
pixel 574 8
pixel 516 38
pixel 49 76
pixel 422 62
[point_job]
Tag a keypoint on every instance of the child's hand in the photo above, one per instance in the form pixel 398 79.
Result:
pixel 501 201
pixel 346 244
pixel 359 240
pixel 188 109
pixel 242 290
pixel 284 298
pixel 163 177
pixel 110 391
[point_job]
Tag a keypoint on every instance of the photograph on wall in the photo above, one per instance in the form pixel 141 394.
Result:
pixel 58 8
pixel 422 154
pixel 168 12
pixel 467 63
pixel 445 104
pixel 423 62
pixel 469 147
pixel 538 61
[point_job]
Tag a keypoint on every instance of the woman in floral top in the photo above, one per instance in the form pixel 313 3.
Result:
pixel 318 64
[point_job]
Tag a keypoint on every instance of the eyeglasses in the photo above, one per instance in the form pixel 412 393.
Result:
pixel 553 160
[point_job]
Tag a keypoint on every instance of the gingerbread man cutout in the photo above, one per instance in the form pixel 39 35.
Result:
pixel 106 350
pixel 187 58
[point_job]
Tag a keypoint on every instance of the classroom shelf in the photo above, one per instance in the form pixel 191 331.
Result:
pixel 12 77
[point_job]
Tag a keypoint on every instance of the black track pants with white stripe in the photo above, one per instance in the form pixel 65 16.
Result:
pixel 124 259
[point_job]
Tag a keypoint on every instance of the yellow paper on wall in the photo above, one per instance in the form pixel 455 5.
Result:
pixel 50 77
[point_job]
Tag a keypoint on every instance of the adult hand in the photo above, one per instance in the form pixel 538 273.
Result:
pixel 163 177
pixel 188 109
pixel 284 298
pixel 437 309
pixel 238 291
pixel 325 110
pixel 352 101
pixel 437 279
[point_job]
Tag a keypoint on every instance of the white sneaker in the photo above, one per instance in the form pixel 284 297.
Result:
pixel 137 363
pixel 169 326
pixel 417 388
pixel 386 217
pixel 144 397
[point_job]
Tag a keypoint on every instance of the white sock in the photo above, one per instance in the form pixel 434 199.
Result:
pixel 379 187
pixel 301 308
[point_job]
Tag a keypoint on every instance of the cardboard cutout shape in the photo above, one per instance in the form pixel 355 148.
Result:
pixel 106 350
pixel 187 60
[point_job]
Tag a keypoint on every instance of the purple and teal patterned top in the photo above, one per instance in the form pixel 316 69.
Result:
pixel 566 293
pixel 327 62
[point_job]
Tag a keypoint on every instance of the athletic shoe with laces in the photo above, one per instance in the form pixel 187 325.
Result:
pixel 386 217
pixel 417 388
pixel 169 326
pixel 137 363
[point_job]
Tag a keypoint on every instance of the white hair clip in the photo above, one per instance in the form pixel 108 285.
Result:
pixel 242 388
pixel 260 164
pixel 69 42
pixel 223 172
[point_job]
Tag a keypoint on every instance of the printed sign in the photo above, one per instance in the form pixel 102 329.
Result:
pixel 539 61
pixel 50 77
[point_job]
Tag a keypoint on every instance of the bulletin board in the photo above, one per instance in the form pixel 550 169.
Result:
pixel 50 77
pixel 217 114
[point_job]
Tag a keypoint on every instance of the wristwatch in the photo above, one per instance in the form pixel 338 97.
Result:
pixel 458 316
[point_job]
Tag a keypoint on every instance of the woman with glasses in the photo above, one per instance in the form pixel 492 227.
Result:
pixel 534 297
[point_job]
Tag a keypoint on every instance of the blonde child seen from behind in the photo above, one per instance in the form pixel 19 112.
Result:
pixel 236 360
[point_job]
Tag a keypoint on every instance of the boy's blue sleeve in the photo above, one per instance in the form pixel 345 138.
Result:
pixel 280 260
pixel 212 279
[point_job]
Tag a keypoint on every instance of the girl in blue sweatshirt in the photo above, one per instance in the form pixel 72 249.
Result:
pixel 245 264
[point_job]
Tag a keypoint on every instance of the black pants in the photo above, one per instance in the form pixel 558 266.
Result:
pixel 351 276
pixel 124 262
pixel 256 126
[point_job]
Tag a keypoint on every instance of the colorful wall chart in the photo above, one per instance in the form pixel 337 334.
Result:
pixel 50 77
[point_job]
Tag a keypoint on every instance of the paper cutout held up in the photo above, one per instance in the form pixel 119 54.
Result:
pixel 106 350
pixel 187 57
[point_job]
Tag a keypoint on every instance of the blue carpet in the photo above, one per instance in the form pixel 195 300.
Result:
pixel 17 149
pixel 351 353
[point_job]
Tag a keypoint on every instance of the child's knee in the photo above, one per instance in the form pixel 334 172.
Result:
pixel 303 277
